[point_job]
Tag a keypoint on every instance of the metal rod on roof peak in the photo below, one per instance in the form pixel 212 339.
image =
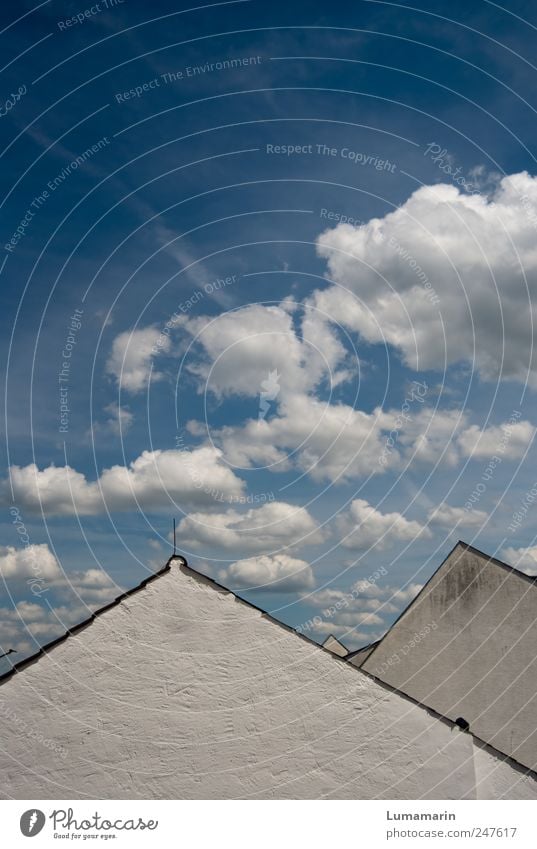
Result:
pixel 174 540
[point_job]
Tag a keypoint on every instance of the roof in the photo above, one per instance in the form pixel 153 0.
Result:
pixel 335 646
pixel 466 547
pixel 465 646
pixel 21 665
pixel 44 649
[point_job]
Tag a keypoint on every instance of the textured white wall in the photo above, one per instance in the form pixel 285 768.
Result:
pixel 478 658
pixel 182 691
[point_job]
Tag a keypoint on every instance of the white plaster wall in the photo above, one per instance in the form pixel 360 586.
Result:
pixel 479 661
pixel 182 691
pixel 493 781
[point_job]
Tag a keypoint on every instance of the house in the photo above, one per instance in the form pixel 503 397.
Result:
pixel 332 644
pixel 181 690
pixel 467 647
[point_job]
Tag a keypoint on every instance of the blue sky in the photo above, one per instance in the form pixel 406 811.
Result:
pixel 325 407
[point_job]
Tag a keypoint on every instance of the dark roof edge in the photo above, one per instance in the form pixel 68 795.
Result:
pixel 22 664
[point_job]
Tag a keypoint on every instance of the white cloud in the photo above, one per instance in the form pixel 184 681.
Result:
pixel 154 480
pixel 364 597
pixel 328 441
pixel 359 619
pixel 448 516
pixel 119 422
pixel 524 559
pixel 366 604
pixel 94 586
pixel 404 596
pixel 120 418
pixel 433 436
pixel 509 440
pixel 336 442
pixel 28 625
pixel 363 526
pixel 430 436
pixel 131 357
pixel 475 254
pixel 262 530
pixel 272 573
pixel 350 637
pixel 244 346
pixel 29 562
pixel 38 567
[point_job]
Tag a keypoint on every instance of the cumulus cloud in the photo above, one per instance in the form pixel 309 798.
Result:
pixel 298 351
pixel 444 278
pixel 242 347
pixel 120 418
pixel 154 480
pixel 337 443
pixel 264 529
pixel 59 599
pixel 445 436
pixel 28 562
pixel 405 595
pixel 363 526
pixel 511 440
pixel 28 625
pixel 449 517
pixel 328 441
pixel 362 598
pixel 272 573
pixel 430 436
pixel 131 357
pixel 524 559
pixel 93 586
pixel 37 566
pixel 344 612
pixel 352 638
